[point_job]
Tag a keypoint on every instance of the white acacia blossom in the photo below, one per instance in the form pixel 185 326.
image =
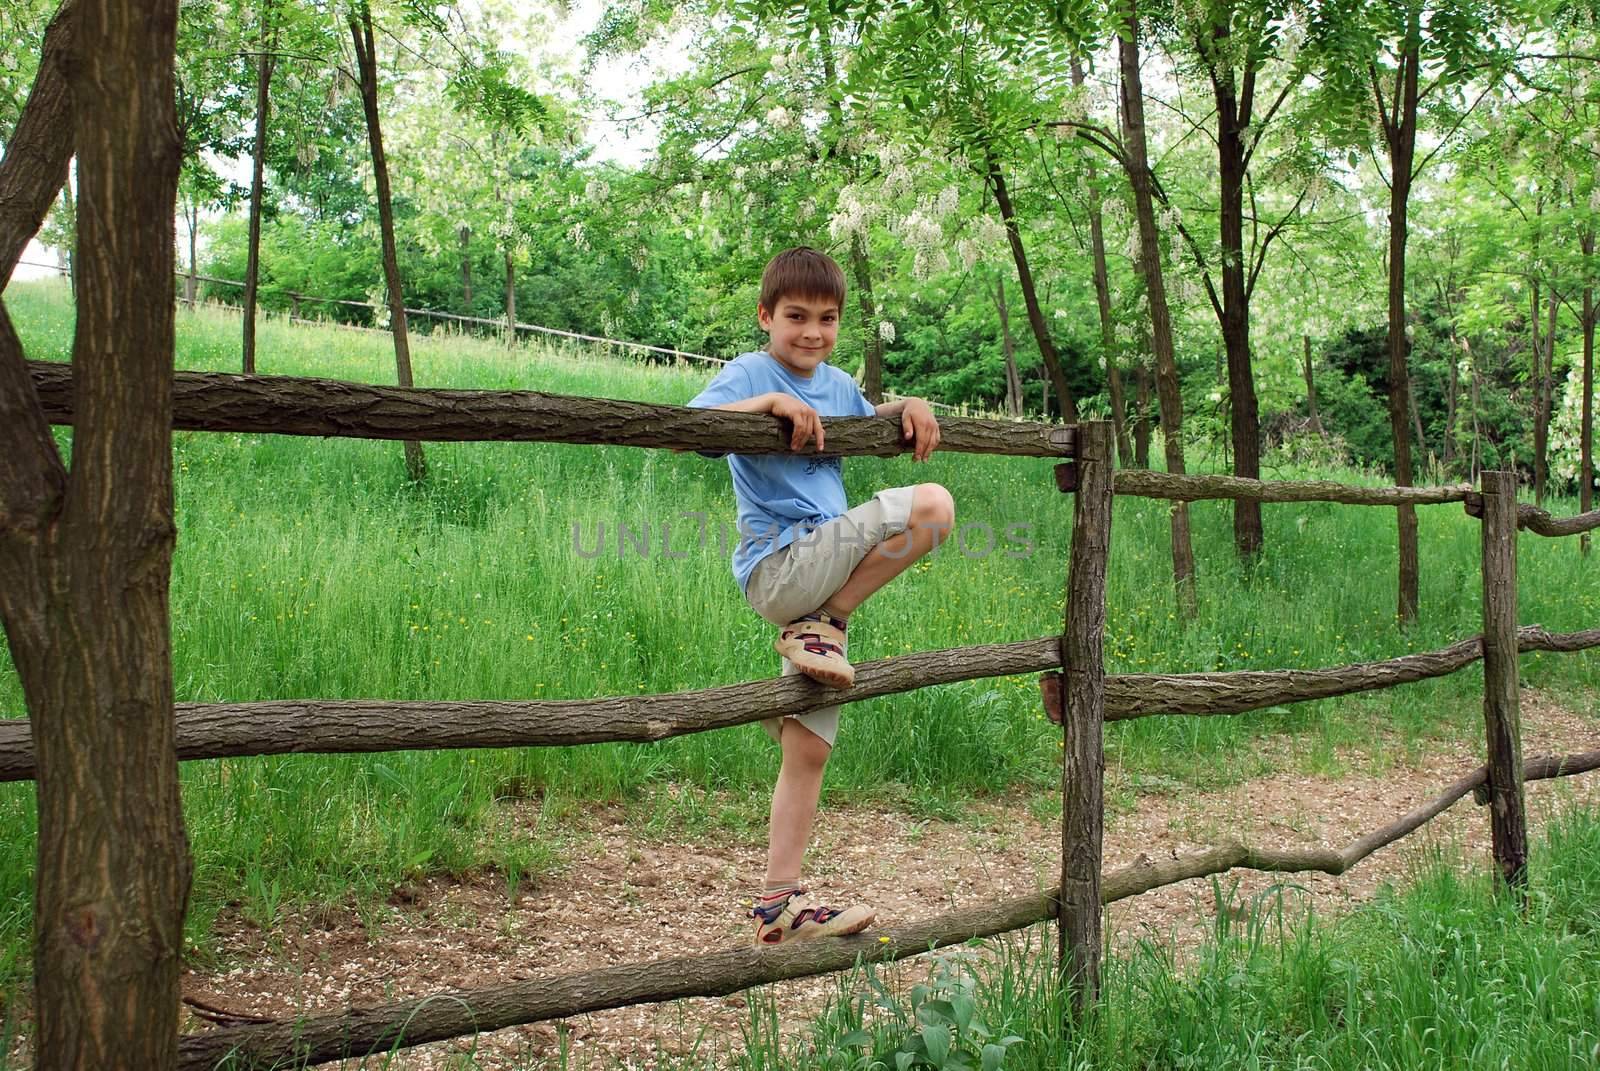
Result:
pixel 886 332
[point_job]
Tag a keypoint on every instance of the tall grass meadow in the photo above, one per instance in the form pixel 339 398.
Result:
pixel 310 568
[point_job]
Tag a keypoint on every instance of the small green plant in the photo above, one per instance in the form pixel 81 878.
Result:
pixel 940 1028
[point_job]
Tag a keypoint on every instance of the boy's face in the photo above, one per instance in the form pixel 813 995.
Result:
pixel 803 331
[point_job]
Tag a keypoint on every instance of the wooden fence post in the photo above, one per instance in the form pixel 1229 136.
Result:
pixel 1501 712
pixel 1083 762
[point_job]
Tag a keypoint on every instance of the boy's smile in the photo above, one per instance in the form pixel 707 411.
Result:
pixel 803 332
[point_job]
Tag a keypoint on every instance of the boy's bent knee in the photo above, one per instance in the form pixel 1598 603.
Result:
pixel 802 745
pixel 933 507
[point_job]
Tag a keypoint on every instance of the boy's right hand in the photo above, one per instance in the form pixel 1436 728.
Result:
pixel 807 423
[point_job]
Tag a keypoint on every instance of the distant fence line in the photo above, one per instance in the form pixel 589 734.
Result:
pixel 1086 697
pixel 477 321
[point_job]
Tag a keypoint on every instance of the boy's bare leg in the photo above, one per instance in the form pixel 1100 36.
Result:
pixel 933 513
pixel 794 800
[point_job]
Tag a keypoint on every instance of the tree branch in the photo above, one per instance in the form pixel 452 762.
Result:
pixel 34 167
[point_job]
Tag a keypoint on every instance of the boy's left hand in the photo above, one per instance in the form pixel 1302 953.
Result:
pixel 919 428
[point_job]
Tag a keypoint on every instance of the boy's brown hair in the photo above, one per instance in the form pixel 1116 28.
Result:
pixel 801 272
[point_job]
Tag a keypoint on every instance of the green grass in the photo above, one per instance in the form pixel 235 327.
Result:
pixel 1445 974
pixel 313 568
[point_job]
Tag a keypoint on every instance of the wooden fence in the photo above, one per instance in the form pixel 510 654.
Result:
pixel 1082 697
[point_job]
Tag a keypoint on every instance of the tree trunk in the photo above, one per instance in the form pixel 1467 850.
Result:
pixel 1102 297
pixel 1233 111
pixel 1416 414
pixel 71 253
pixel 1586 421
pixel 191 284
pixel 1544 394
pixel 252 265
pixel 85 565
pixel 1013 380
pixel 366 57
pixel 1167 386
pixel 1311 388
pixel 511 299
pixel 1141 424
pixel 1402 143
pixel 466 271
pixel 1030 296
pixel 1450 408
pixel 39 148
pixel 871 341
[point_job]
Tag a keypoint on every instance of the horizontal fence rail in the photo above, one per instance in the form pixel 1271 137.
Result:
pixel 1146 483
pixel 331 726
pixel 324 1038
pixel 297 405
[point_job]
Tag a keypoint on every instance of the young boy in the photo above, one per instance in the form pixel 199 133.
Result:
pixel 805 562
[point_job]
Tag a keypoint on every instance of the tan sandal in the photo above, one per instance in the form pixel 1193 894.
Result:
pixel 815 644
pixel 799 918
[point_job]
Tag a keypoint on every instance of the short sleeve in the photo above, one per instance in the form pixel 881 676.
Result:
pixel 732 384
pixel 865 407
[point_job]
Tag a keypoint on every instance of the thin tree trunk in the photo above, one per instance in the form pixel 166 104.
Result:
pixel 1141 424
pixel 511 299
pixel 1233 103
pixel 1477 449
pixel 1544 390
pixel 466 270
pixel 1450 407
pixel 1168 389
pixel 1102 297
pixel 252 266
pixel 1586 421
pixel 1311 388
pixel 38 149
pixel 366 57
pixel 191 284
pixel 871 341
pixel 85 567
pixel 1013 380
pixel 1416 415
pixel 1402 142
pixel 1030 295
pixel 70 208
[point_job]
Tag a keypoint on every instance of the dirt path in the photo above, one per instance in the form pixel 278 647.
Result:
pixel 638 897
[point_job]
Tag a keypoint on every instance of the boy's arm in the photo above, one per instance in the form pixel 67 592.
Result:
pixel 917 424
pixel 807 424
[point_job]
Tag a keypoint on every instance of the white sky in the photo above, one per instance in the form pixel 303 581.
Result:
pixel 617 80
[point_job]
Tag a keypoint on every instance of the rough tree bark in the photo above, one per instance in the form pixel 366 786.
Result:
pixel 295 405
pixel 258 158
pixel 85 563
pixel 367 59
pixel 1400 135
pixel 1030 294
pixel 1168 389
pixel 39 149
pixel 299 726
pixel 1102 298
pixel 1083 687
pixel 1501 704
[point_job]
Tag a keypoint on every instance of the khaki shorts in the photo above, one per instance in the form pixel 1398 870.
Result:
pixel 802 576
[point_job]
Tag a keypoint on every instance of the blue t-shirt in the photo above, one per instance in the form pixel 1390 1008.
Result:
pixel 782 496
